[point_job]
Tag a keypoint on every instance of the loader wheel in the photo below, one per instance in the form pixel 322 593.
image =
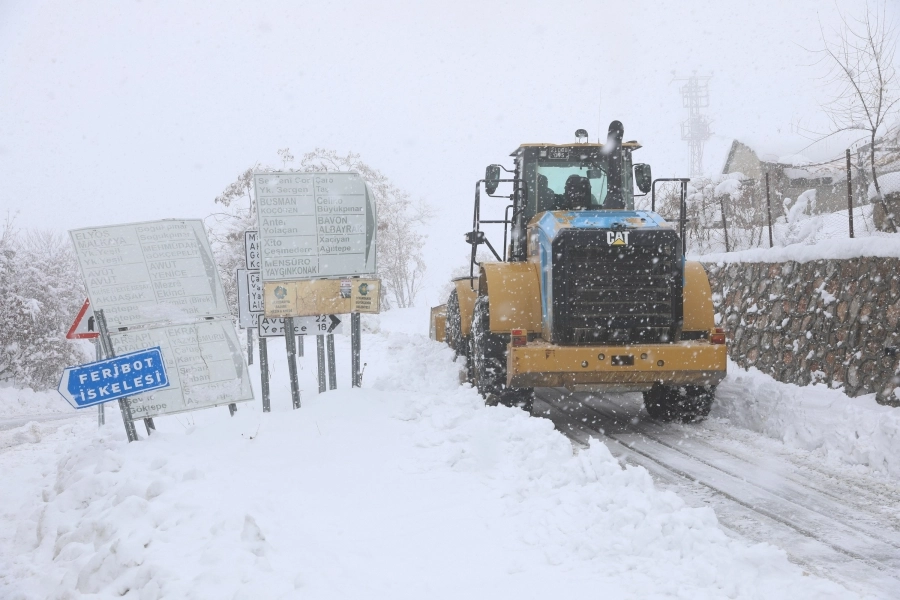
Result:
pixel 454 325
pixel 687 403
pixel 661 402
pixel 697 403
pixel 489 362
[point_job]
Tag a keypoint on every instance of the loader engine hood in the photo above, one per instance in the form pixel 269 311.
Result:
pixel 608 276
pixel 551 223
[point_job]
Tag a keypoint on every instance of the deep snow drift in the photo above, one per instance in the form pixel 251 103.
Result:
pixel 407 488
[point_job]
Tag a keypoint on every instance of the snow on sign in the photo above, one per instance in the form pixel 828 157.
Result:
pixel 144 273
pixel 204 362
pixel 114 378
pixel 84 326
pixel 314 225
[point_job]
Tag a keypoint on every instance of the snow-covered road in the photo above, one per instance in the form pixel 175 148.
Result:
pixel 411 487
pixel 836 521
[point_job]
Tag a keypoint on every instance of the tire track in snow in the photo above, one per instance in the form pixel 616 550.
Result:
pixel 825 533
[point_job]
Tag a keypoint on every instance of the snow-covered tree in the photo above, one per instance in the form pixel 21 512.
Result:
pixel 40 293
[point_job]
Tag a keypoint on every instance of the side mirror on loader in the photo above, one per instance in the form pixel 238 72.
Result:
pixel 642 177
pixel 491 178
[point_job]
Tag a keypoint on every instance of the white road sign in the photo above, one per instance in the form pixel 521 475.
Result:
pixel 204 363
pixel 319 325
pixel 143 273
pixel 251 249
pixel 250 298
pixel 314 225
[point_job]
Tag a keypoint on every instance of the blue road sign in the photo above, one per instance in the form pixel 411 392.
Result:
pixel 114 378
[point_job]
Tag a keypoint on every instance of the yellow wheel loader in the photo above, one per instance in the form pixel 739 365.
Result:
pixel 588 294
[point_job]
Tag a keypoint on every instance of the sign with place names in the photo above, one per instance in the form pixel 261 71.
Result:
pixel 114 378
pixel 318 325
pixel 321 296
pixel 251 249
pixel 250 298
pixel 84 326
pixel 204 361
pixel 314 225
pixel 144 273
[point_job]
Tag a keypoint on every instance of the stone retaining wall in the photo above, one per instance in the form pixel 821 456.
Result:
pixel 824 320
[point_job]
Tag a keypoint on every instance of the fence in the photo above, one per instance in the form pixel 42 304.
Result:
pixel 731 212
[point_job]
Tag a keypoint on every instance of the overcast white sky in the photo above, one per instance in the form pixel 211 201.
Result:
pixel 124 111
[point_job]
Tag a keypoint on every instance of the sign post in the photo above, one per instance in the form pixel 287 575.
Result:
pixel 290 341
pixel 317 234
pixel 355 331
pixel 106 343
pixel 264 372
pixel 320 361
pixel 332 374
pixel 101 415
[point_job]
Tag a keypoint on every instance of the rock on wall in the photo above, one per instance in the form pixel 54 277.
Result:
pixel 824 320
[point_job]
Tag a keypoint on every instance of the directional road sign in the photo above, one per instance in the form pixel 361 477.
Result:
pixel 125 375
pixel 250 298
pixel 205 363
pixel 85 324
pixel 143 273
pixel 251 249
pixel 314 225
pixel 319 325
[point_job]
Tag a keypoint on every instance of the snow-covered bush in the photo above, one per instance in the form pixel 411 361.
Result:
pixel 40 293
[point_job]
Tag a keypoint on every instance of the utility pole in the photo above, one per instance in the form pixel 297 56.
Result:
pixel 695 129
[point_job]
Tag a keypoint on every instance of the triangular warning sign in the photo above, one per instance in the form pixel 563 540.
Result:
pixel 85 325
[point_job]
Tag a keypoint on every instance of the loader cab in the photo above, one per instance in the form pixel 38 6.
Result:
pixel 575 177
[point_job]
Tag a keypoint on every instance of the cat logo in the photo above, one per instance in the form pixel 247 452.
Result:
pixel 617 238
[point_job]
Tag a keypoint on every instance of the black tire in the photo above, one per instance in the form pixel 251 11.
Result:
pixel 697 403
pixel 661 402
pixel 488 359
pixel 687 403
pixel 454 324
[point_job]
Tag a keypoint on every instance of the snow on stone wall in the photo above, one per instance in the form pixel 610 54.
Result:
pixel 822 320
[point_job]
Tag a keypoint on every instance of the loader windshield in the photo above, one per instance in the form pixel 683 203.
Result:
pixel 579 184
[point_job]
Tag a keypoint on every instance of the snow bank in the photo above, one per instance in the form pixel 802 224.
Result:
pixel 853 431
pixel 25 402
pixel 409 488
pixel 887 247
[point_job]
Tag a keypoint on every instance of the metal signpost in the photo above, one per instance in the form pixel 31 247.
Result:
pixel 291 347
pixel 156 284
pixel 124 408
